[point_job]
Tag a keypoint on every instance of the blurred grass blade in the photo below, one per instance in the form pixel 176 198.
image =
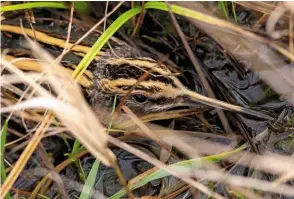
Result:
pixel 154 173
pixel 223 6
pixel 85 194
pixel 3 141
pixel 234 12
pixel 33 5
pixel 81 6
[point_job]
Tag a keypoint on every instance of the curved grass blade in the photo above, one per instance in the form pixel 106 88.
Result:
pixel 178 10
pixel 89 57
pixel 85 194
pixel 23 6
pixel 154 174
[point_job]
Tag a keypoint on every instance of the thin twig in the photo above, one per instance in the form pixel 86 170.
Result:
pixel 139 21
pixel 59 58
pixel 94 27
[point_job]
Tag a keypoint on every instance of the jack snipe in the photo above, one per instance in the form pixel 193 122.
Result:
pixel 115 76
pixel 161 90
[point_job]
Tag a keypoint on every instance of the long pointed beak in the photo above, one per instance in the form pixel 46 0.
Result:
pixel 193 99
pixel 186 102
pixel 224 105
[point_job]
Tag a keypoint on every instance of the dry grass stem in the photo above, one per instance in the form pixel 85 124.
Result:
pixel 44 38
pixel 159 164
pixel 72 114
pixel 51 104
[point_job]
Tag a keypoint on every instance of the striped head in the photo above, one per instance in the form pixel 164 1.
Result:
pixel 116 76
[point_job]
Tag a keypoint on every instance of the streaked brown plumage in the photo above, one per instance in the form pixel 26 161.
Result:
pixel 115 76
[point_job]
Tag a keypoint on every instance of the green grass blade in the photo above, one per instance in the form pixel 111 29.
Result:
pixel 81 6
pixel 3 141
pixel 223 6
pixel 33 5
pixel 177 10
pixel 234 12
pixel 76 147
pixel 89 57
pixel 186 12
pixel 85 194
pixel 179 166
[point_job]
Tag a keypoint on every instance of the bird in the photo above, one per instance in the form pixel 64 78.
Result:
pixel 116 76
pixel 159 91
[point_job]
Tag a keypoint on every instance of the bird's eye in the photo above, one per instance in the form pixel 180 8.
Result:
pixel 140 98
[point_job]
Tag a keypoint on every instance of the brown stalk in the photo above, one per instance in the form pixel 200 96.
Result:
pixel 139 21
pixel 134 17
pixel 200 72
pixel 123 180
pixel 59 58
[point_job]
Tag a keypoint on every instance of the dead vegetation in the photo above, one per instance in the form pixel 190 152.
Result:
pixel 231 152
